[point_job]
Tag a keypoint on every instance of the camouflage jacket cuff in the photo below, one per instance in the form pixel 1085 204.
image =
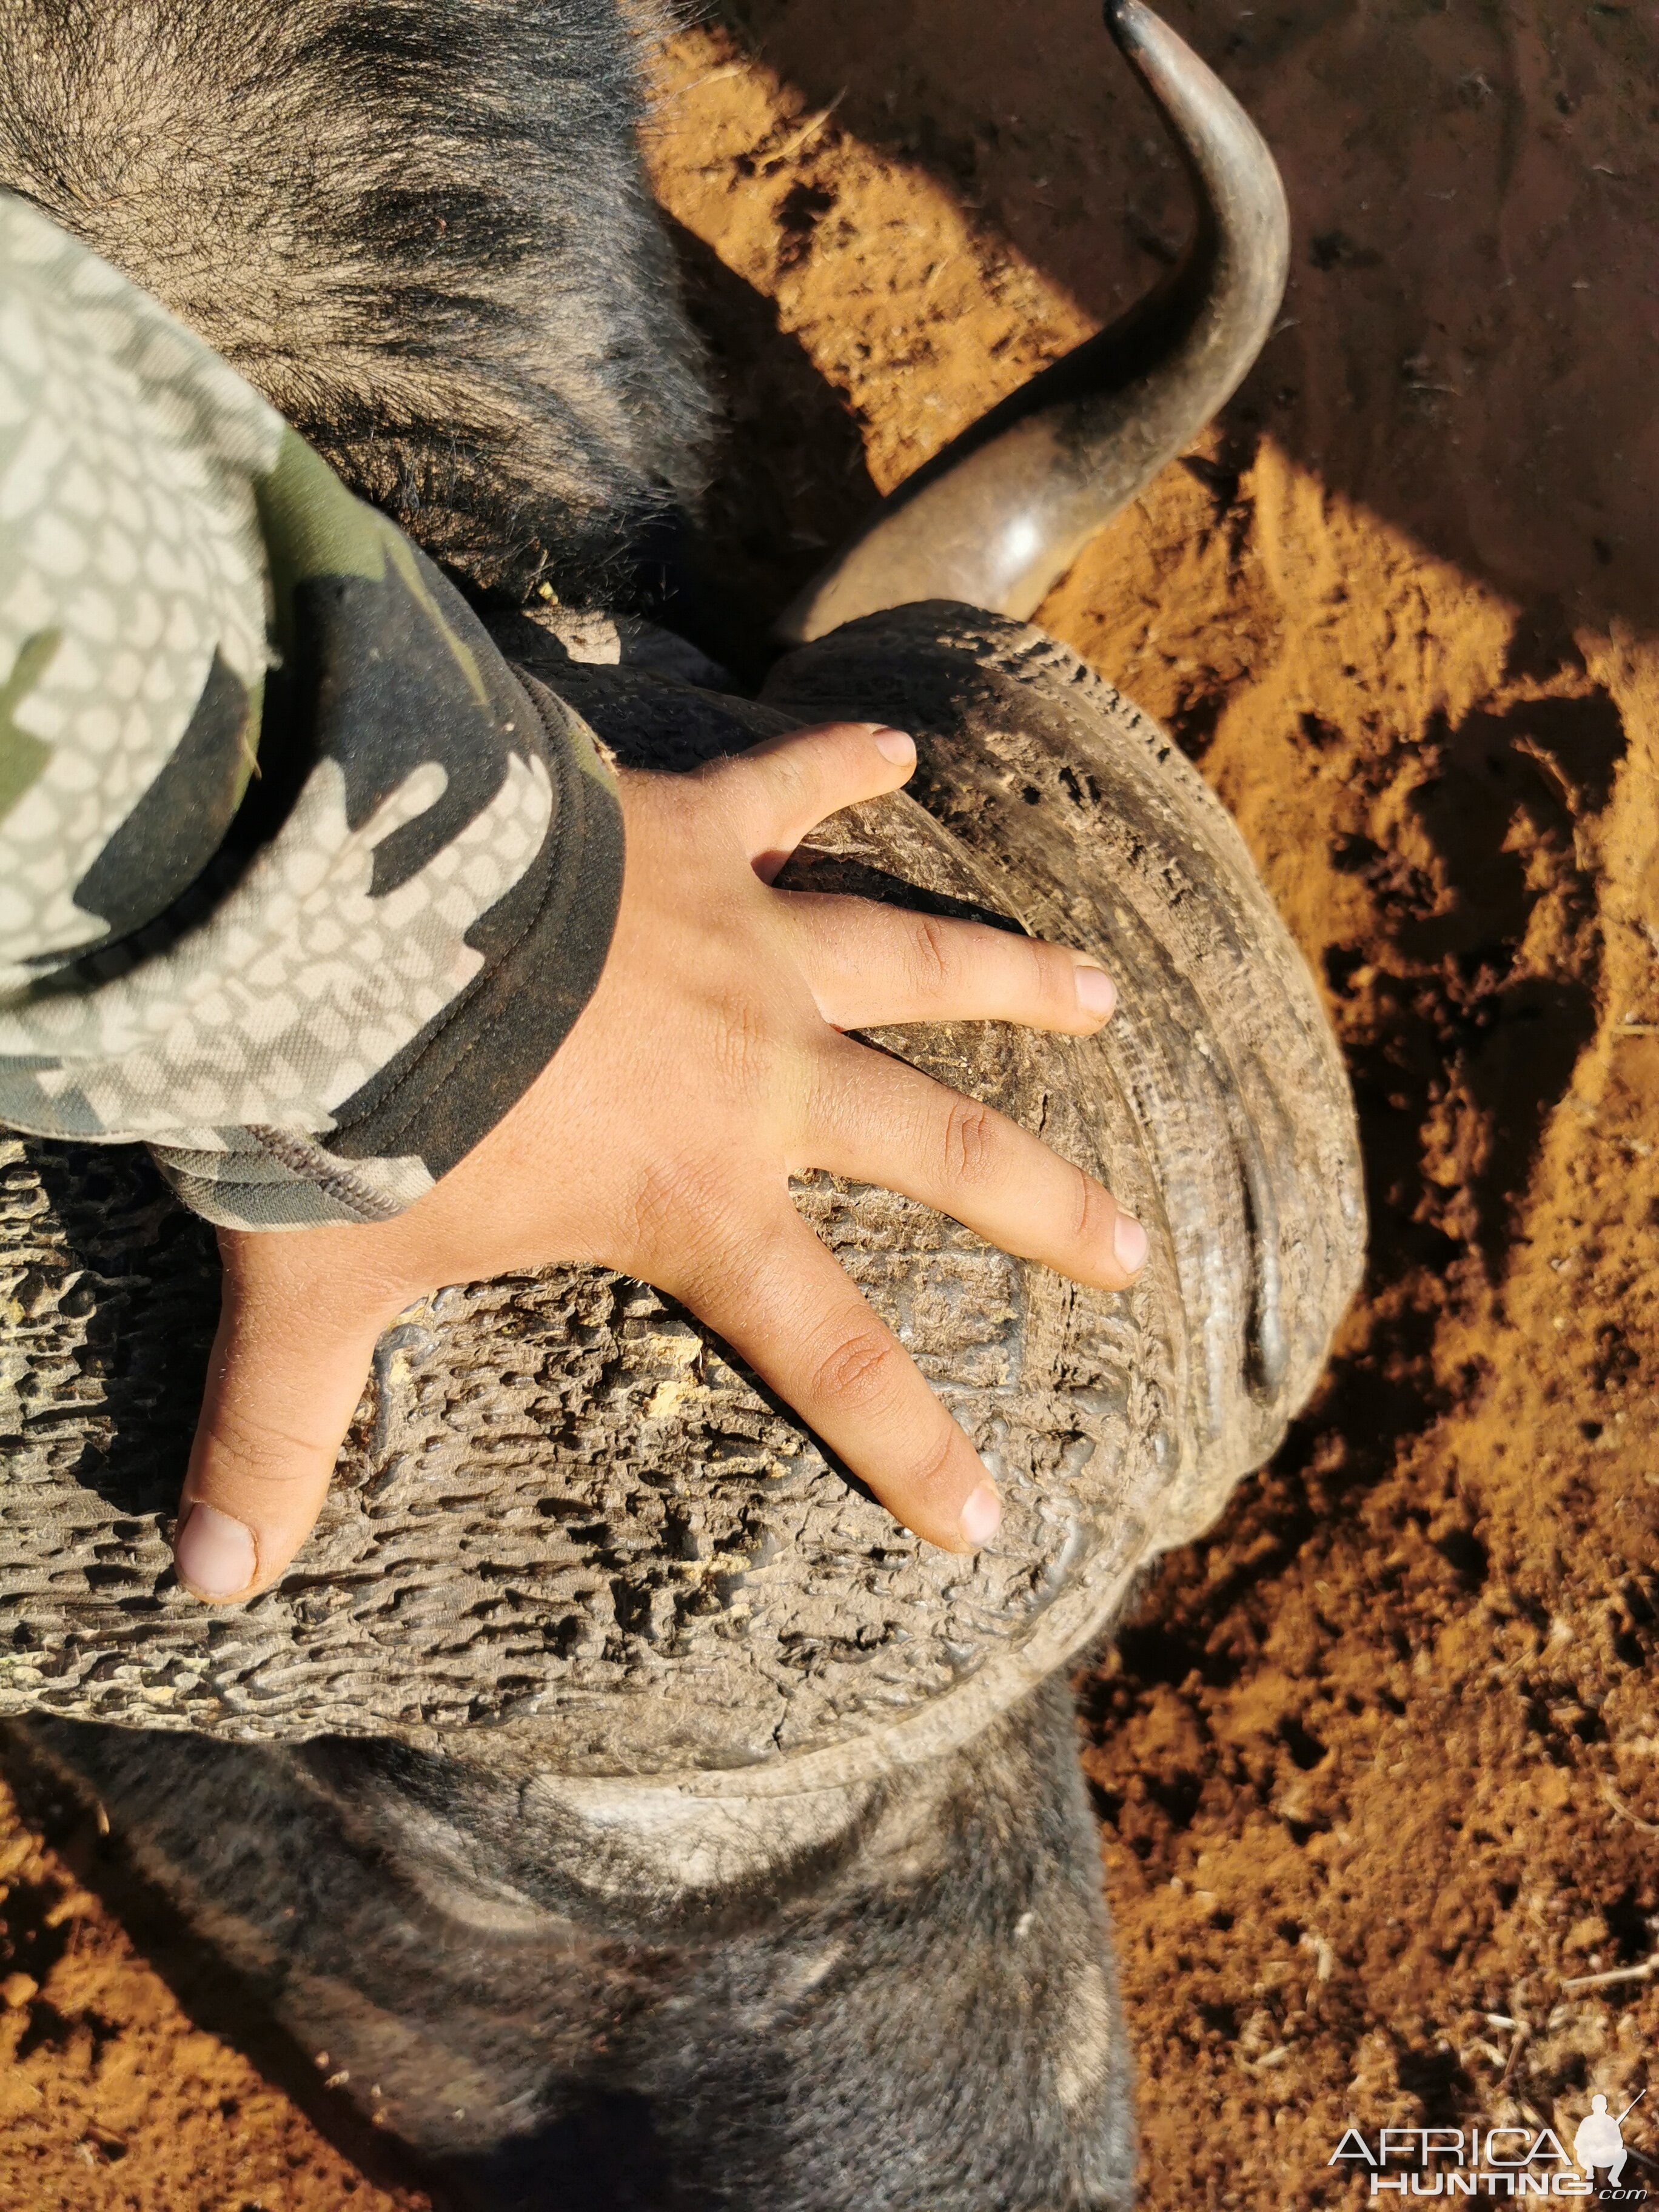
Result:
pixel 303 885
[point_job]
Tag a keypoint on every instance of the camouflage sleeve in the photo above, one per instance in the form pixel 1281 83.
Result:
pixel 300 882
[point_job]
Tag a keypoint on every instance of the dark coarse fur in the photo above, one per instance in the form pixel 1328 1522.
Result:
pixel 420 227
pixel 912 2011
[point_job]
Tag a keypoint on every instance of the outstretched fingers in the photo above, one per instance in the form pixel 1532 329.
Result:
pixel 296 1336
pixel 780 1300
pixel 774 792
pixel 879 1122
pixel 867 964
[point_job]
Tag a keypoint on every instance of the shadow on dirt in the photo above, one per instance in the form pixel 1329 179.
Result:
pixel 211 1996
pixel 1465 194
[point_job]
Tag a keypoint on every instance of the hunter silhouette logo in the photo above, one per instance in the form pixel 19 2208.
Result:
pixel 1491 2161
pixel 1600 2141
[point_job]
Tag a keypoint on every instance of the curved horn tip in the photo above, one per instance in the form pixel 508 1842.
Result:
pixel 997 518
pixel 1121 20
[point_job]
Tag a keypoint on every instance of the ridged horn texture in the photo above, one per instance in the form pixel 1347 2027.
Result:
pixel 570 1537
pixel 999 516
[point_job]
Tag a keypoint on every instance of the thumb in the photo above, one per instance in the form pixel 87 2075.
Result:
pixel 295 1340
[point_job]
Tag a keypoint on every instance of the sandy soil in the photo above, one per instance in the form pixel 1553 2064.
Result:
pixel 1376 1765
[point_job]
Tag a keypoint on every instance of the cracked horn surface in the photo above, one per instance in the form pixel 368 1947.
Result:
pixel 567 1530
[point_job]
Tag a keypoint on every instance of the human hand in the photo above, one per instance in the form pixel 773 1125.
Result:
pixel 708 1067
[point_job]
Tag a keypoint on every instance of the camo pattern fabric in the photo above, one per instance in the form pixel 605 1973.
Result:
pixel 300 883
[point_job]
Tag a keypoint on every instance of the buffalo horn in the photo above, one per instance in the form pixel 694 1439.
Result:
pixel 999 516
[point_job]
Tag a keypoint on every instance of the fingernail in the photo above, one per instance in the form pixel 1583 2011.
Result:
pixel 213 1554
pixel 894 746
pixel 1096 994
pixel 1129 1242
pixel 981 1517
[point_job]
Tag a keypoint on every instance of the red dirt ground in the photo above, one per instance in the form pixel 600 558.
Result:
pixel 1377 1764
